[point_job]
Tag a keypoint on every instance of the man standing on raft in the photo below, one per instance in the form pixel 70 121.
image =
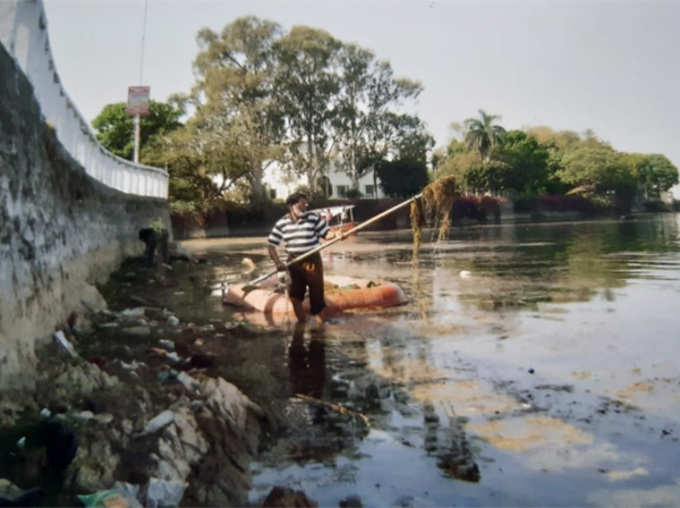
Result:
pixel 301 231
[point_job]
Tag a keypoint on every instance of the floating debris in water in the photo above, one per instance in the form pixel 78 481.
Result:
pixel 248 265
pixel 434 206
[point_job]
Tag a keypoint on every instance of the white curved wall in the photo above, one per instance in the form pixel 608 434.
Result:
pixel 23 32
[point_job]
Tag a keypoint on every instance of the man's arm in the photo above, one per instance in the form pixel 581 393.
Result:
pixel 280 266
pixel 331 236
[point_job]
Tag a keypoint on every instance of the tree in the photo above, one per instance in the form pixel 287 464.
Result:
pixel 340 104
pixel 603 172
pixel 366 124
pixel 656 174
pixel 468 170
pixel 402 177
pixel 482 135
pixel 306 90
pixel 526 164
pixel 204 164
pixel 235 101
pixel 115 129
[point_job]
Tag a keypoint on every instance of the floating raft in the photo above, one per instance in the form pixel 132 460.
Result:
pixel 341 293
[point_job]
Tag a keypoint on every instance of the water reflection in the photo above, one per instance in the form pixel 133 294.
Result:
pixel 552 362
pixel 307 362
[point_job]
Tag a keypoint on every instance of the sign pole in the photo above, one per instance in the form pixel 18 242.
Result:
pixel 136 153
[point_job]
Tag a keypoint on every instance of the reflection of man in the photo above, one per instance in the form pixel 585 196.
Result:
pixel 301 231
pixel 307 365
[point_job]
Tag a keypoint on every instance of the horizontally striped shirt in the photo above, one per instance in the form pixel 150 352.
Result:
pixel 301 235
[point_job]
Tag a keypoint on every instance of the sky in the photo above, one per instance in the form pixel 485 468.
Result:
pixel 610 66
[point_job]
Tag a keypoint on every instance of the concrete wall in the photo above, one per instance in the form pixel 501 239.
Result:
pixel 61 230
pixel 23 33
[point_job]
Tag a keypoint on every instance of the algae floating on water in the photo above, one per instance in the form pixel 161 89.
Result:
pixel 434 207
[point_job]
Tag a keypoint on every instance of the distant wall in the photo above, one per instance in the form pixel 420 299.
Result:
pixel 23 33
pixel 61 230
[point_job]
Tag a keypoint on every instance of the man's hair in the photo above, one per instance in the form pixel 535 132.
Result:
pixel 295 197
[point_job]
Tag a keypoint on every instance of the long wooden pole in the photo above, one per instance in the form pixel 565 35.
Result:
pixel 337 239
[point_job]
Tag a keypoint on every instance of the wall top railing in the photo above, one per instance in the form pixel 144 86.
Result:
pixel 23 33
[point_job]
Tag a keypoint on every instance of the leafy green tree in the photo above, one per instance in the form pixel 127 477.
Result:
pixel 526 164
pixel 366 123
pixel 411 140
pixel 656 174
pixel 340 103
pixel 306 89
pixel 115 129
pixel 204 165
pixel 552 139
pixel 301 99
pixel 402 177
pixel 455 147
pixel 468 169
pixel 482 134
pixel 602 172
pixel 235 100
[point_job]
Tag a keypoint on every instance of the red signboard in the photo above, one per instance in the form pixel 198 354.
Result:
pixel 138 100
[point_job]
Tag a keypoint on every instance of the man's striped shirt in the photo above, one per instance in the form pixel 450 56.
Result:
pixel 301 235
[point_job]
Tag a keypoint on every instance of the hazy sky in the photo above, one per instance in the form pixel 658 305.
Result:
pixel 612 66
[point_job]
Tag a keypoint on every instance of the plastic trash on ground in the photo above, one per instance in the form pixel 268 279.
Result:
pixel 158 422
pixel 63 342
pixel 164 493
pixel 112 498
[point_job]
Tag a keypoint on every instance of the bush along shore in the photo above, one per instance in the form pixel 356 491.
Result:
pixel 132 405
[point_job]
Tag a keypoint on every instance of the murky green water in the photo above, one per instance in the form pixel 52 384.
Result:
pixel 536 364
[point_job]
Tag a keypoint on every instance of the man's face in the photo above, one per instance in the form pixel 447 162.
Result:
pixel 300 207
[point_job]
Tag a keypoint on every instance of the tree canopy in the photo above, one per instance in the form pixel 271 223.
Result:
pixel 541 160
pixel 402 177
pixel 300 100
pixel 114 128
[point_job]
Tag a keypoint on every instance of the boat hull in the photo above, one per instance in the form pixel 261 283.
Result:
pixel 342 294
pixel 343 228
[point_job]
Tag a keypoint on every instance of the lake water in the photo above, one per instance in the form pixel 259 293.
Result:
pixel 535 364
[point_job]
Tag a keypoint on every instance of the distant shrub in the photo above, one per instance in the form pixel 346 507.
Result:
pixel 555 203
pixel 657 206
pixel 353 193
pixel 476 208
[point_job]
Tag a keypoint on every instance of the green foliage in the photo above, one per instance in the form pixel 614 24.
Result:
pixel 115 129
pixel 602 172
pixel 339 100
pixel 402 177
pixel 237 119
pixel 305 89
pixel 353 193
pixel 482 135
pixel 468 169
pixel 545 162
pixel 301 100
pixel 526 170
pixel 205 166
pixel 655 173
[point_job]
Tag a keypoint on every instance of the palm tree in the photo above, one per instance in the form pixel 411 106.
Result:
pixel 482 135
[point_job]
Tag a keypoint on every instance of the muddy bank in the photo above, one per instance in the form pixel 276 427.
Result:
pixel 134 396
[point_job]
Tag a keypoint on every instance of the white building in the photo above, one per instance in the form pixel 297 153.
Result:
pixel 675 192
pixel 338 183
